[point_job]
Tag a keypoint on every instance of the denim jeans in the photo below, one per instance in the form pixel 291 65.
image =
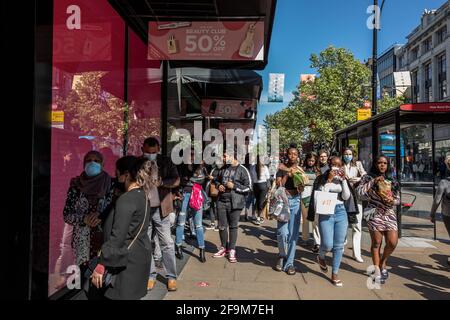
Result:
pixel 198 221
pixel 288 233
pixel 333 230
pixel 162 229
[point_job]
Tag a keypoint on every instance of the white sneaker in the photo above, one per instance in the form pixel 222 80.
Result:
pixel 359 259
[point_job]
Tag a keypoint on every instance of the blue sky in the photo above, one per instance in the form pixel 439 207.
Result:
pixel 302 27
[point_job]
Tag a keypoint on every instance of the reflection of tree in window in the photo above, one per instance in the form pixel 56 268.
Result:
pixel 98 113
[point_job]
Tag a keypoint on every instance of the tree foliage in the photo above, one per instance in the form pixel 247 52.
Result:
pixel 326 104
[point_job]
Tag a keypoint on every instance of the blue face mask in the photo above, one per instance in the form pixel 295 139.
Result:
pixel 151 156
pixel 347 158
pixel 92 168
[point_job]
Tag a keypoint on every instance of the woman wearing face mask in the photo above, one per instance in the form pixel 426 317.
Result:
pixel 288 232
pixel 126 252
pixel 88 197
pixel 382 193
pixel 332 227
pixel 354 171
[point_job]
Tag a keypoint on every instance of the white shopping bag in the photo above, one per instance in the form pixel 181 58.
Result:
pixel 325 202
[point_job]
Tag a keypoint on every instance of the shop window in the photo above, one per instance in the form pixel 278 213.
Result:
pixel 365 146
pixel 387 144
pixel 416 153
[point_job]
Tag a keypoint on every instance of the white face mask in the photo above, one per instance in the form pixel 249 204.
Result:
pixel 335 168
pixel 151 156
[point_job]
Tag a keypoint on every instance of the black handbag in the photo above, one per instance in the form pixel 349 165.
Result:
pixel 90 266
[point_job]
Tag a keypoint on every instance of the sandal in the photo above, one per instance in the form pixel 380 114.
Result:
pixel 324 268
pixel 291 271
pixel 337 283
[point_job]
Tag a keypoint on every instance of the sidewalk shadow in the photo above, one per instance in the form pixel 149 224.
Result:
pixel 427 283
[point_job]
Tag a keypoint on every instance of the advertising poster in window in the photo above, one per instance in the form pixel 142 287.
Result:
pixel 206 40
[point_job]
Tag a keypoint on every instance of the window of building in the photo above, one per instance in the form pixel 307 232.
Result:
pixel 415 86
pixel 441 35
pixel 414 53
pixel 427 44
pixel 428 83
pixel 442 76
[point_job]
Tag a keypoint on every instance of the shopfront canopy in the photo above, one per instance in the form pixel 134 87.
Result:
pixel 216 83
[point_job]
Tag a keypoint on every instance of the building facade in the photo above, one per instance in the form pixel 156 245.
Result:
pixel 426 55
pixel 387 65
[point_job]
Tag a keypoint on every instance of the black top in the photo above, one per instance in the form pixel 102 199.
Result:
pixel 289 182
pixel 130 266
pixel 190 175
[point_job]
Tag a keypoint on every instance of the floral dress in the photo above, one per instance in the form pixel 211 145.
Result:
pixel 384 217
pixel 86 241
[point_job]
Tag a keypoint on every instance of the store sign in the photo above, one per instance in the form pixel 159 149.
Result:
pixel 58 119
pixel 206 40
pixel 363 114
pixel 228 109
pixel 276 87
pixel 427 107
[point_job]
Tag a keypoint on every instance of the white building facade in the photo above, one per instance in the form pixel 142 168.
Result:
pixel 426 56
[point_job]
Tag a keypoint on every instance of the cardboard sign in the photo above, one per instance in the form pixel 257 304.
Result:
pixel 206 40
pixel 325 202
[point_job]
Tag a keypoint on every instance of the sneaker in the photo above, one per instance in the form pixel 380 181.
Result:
pixel 384 274
pixel 216 228
pixel 232 256
pixel 358 259
pixel 221 253
pixel 258 221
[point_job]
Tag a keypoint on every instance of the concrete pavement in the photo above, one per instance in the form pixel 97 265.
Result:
pixel 418 270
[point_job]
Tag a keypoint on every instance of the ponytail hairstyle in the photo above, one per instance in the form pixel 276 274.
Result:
pixel 142 171
pixel 147 175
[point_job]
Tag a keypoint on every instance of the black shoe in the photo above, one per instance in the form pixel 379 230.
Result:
pixel 202 256
pixel 178 252
pixel 279 265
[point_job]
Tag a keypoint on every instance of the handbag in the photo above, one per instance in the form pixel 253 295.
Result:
pixel 196 200
pixel 213 191
pixel 92 264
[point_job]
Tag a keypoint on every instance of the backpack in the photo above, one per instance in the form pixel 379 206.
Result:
pixel 196 199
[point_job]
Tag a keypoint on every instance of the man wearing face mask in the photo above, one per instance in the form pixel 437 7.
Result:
pixel 161 211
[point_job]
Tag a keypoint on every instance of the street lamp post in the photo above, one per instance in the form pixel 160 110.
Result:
pixel 375 56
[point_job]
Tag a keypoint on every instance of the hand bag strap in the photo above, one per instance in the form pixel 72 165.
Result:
pixel 142 225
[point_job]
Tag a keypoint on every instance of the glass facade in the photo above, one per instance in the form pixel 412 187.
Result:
pixel 106 96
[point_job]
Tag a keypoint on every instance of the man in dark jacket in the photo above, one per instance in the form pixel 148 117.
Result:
pixel 160 212
pixel 233 182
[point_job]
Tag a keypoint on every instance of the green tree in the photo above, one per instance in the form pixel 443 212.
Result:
pixel 329 102
pixel 388 103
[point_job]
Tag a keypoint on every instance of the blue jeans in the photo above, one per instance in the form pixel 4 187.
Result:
pixel 333 230
pixel 288 233
pixel 198 221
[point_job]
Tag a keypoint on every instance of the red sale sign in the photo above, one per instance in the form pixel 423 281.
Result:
pixel 227 109
pixel 206 40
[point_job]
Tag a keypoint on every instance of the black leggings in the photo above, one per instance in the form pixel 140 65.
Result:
pixel 228 218
pixel 260 191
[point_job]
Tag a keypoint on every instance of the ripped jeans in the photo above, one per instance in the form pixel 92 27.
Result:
pixel 198 222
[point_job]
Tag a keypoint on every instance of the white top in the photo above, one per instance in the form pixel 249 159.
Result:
pixel 338 187
pixel 354 173
pixel 265 174
pixel 154 197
